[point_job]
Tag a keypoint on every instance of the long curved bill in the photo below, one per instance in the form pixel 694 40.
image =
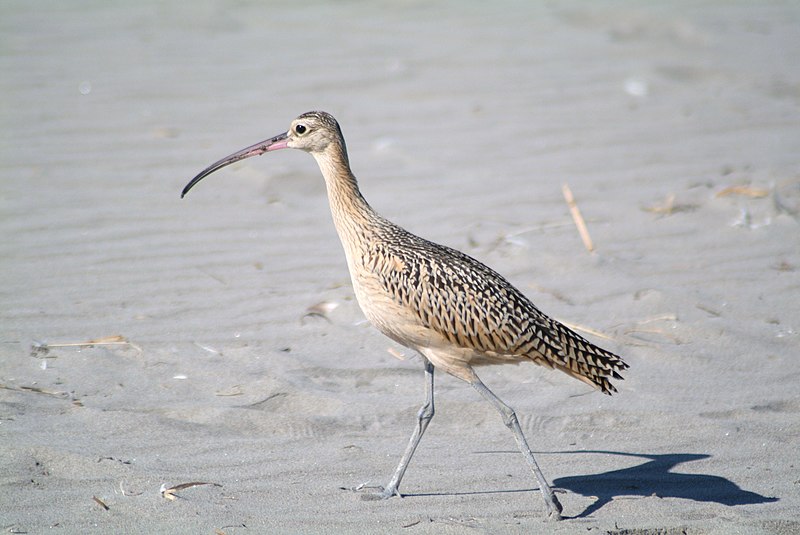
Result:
pixel 278 142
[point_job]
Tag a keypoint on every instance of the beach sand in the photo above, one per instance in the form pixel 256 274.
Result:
pixel 676 127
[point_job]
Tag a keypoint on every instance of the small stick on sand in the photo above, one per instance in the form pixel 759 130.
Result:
pixel 578 327
pixel 117 339
pixel 36 390
pixel 169 493
pixel 42 348
pixel 578 218
pixel 100 502
pixel 745 191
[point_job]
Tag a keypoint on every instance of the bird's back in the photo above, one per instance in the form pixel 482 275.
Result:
pixel 423 294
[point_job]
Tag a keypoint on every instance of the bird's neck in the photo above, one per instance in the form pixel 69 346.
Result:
pixel 353 217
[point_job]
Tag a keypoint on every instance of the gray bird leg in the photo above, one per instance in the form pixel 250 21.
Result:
pixel 510 419
pixel 424 417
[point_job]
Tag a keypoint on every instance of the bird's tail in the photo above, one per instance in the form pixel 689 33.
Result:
pixel 576 356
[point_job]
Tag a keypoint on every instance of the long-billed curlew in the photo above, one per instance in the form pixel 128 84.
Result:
pixel 453 310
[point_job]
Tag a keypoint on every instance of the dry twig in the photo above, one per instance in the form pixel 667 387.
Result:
pixel 100 502
pixel 36 390
pixel 115 340
pixel 578 218
pixel 169 493
pixel 744 191
pixel 593 332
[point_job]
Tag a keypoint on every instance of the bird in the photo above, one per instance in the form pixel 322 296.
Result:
pixel 453 310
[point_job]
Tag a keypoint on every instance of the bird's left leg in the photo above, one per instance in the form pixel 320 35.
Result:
pixel 424 417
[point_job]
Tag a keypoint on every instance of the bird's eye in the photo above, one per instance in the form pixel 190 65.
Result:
pixel 300 129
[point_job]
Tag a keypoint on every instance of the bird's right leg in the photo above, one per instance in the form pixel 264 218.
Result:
pixel 424 417
pixel 510 419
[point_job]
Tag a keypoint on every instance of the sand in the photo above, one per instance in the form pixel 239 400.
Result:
pixel 676 127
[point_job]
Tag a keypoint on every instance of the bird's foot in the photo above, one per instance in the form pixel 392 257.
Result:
pixel 554 516
pixel 382 494
pixel 554 508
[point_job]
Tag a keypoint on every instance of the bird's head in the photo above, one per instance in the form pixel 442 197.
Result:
pixel 314 132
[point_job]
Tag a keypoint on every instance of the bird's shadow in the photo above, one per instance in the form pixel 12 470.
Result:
pixel 656 478
pixel 653 477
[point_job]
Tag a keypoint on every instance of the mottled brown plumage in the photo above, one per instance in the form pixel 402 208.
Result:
pixel 470 306
pixel 455 311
